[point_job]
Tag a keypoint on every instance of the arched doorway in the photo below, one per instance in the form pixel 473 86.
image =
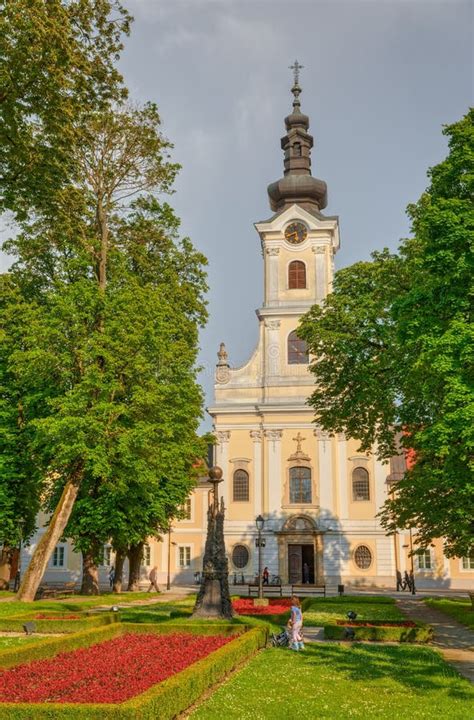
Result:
pixel 300 551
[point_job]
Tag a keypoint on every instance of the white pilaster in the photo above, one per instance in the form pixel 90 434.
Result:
pixel 256 436
pixel 274 470
pixel 320 272
pixel 272 345
pixel 272 275
pixel 222 460
pixel 326 500
pixel 341 455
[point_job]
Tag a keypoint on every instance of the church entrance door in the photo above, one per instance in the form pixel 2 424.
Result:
pixel 300 564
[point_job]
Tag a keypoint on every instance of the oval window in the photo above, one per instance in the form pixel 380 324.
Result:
pixel 240 556
pixel 363 557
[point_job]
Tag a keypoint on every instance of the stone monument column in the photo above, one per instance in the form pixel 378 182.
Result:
pixel 213 600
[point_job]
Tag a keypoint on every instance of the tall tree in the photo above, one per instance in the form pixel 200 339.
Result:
pixel 119 310
pixel 393 352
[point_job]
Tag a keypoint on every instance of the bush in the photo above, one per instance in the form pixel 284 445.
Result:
pixel 58 623
pixel 161 702
pixel 419 634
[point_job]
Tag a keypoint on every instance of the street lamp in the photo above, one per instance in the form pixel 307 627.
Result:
pixel 260 522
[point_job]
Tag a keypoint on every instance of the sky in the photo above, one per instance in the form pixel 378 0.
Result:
pixel 380 79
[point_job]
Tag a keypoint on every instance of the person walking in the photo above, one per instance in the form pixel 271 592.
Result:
pixel 153 578
pixel 305 573
pixel 265 576
pixel 111 577
pixel 296 619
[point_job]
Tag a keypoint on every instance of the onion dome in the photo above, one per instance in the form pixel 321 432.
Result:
pixel 297 185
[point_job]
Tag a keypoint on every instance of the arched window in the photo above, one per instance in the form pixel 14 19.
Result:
pixel 240 556
pixel 363 557
pixel 241 486
pixel 297 350
pixel 300 485
pixel 360 484
pixel 296 275
pixel 297 149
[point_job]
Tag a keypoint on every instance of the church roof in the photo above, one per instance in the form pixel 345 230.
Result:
pixel 297 184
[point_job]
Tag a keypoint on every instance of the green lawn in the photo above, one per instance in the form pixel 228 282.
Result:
pixel 73 603
pixel 459 609
pixel 336 682
pixel 326 610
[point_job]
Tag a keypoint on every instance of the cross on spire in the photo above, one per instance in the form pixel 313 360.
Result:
pixel 296 67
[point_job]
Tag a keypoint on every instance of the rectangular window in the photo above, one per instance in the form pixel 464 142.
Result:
pixel 107 557
pixel 468 562
pixel 424 559
pixel 146 555
pixel 58 556
pixel 187 509
pixel 185 556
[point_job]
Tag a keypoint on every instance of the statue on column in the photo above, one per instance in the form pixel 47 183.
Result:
pixel 213 600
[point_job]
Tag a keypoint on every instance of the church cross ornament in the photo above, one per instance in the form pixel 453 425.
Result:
pixel 298 440
pixel 296 67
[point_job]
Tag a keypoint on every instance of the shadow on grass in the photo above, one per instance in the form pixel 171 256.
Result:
pixel 416 668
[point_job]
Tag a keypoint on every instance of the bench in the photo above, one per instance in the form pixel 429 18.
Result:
pixel 53 590
pixel 307 589
pixel 267 589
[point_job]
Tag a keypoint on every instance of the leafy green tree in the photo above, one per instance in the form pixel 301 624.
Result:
pixel 20 482
pixel 57 63
pixel 393 348
pixel 115 337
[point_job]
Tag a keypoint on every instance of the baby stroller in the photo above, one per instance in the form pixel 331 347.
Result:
pixel 282 639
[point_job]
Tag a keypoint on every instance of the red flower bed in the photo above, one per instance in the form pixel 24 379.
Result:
pixel 377 623
pixel 110 672
pixel 277 606
pixel 44 616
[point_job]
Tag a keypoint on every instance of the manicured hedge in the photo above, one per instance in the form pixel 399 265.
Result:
pixel 59 624
pixel 419 634
pixel 162 701
pixel 48 648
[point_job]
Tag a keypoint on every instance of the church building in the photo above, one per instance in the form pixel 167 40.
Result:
pixel 318 494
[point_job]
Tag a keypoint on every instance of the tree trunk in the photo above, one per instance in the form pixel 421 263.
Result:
pixel 90 574
pixel 118 571
pixel 135 556
pixel 49 540
pixel 5 567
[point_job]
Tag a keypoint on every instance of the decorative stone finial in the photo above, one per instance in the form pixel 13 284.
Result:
pixel 222 367
pixel 222 355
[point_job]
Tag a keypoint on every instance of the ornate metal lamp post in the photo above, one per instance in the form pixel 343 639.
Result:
pixel 213 599
pixel 260 522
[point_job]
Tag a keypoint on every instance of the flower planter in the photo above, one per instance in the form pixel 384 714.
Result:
pixel 122 671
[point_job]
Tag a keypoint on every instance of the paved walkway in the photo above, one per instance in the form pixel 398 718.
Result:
pixel 455 641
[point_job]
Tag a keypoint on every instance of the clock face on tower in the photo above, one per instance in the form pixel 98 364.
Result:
pixel 296 233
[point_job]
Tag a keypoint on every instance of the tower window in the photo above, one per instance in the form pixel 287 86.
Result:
pixel 297 149
pixel 297 350
pixel 296 275
pixel 300 485
pixel 241 486
pixel 360 484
